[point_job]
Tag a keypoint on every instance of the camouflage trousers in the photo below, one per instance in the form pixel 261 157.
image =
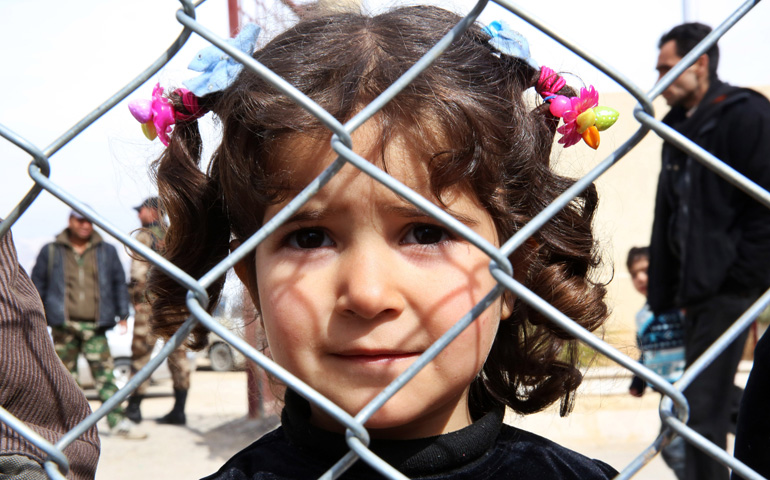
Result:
pixel 141 352
pixel 76 337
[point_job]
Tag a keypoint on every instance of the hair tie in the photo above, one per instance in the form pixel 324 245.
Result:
pixel 156 115
pixel 583 118
pixel 582 115
pixel 219 69
pixel 509 42
pixel 549 83
pixel 191 104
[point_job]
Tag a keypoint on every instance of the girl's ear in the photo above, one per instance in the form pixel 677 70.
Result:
pixel 522 260
pixel 245 271
pixel 507 310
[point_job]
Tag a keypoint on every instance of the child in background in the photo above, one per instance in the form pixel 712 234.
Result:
pixel 660 338
pixel 661 341
pixel 358 283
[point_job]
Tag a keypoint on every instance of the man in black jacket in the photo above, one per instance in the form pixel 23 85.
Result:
pixel 710 247
pixel 83 287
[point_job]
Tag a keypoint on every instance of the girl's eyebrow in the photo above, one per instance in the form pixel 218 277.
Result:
pixel 409 211
pixel 311 215
pixel 405 211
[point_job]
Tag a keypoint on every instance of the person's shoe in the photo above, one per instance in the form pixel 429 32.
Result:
pixel 126 429
pixel 173 418
pixel 133 412
pixel 176 416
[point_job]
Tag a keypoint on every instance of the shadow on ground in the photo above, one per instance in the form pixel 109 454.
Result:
pixel 234 435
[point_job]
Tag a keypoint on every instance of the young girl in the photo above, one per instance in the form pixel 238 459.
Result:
pixel 358 283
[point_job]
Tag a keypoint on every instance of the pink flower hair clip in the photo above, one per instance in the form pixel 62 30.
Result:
pixel 158 115
pixel 582 115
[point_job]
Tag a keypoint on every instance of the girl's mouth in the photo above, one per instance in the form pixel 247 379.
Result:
pixel 376 357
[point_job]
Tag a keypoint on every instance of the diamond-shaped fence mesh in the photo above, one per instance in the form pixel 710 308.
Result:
pixel 673 407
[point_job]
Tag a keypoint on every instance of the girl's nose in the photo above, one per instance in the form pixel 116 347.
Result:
pixel 369 284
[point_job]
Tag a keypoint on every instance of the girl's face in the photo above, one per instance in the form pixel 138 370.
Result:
pixel 359 283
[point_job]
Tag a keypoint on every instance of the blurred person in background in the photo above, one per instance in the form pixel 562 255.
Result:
pixel 661 341
pixel 151 234
pixel 82 284
pixel 710 246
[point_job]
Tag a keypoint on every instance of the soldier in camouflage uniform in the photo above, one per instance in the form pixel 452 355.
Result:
pixel 82 284
pixel 152 234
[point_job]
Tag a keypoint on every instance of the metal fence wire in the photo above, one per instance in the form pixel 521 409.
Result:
pixel 673 407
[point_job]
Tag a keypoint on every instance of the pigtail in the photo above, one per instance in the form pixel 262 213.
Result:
pixel 533 362
pixel 197 237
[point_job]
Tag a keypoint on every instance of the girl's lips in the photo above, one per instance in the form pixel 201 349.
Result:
pixel 376 357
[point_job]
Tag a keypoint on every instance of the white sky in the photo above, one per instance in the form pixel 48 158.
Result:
pixel 63 59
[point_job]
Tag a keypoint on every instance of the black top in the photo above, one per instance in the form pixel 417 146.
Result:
pixel 487 449
pixel 708 237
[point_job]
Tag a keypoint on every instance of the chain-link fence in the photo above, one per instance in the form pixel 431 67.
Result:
pixel 673 407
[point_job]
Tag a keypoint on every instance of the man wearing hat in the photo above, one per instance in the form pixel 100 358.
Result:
pixel 83 288
pixel 151 234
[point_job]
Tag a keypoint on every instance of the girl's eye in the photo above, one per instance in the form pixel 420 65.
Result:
pixel 309 238
pixel 426 234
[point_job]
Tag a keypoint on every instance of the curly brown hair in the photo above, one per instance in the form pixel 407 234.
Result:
pixel 468 109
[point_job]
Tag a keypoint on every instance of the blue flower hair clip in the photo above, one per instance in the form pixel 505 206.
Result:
pixel 509 42
pixel 220 69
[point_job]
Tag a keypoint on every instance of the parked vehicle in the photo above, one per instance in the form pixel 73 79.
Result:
pixel 222 355
pixel 119 340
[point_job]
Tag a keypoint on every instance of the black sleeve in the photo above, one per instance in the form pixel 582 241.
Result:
pixel 118 283
pixel 40 271
pixel 664 268
pixel 749 152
